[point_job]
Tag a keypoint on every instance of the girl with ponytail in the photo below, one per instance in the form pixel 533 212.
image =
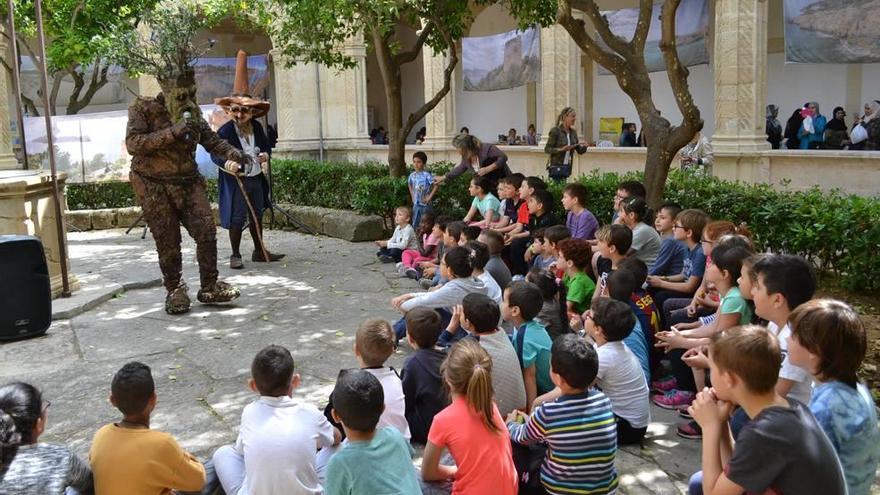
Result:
pixel 471 428
pixel 28 467
pixel 635 214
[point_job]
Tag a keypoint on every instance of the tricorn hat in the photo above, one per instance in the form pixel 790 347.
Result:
pixel 241 91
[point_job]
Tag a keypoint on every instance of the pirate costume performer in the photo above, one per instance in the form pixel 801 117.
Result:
pixel 246 134
pixel 162 136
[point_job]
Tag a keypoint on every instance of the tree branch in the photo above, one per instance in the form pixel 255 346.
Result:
pixel 410 55
pixel 600 22
pixel 577 30
pixel 429 105
pixel 646 9
pixel 677 73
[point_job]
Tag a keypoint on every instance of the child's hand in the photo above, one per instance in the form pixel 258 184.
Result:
pixel 517 416
pixel 673 339
pixel 686 326
pixel 429 272
pixel 708 411
pixel 399 300
pixel 576 322
pixel 457 318
pixel 425 264
pixel 654 281
pixel 696 358
pixel 507 239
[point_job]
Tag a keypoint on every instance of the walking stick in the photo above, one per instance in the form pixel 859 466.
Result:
pixel 256 221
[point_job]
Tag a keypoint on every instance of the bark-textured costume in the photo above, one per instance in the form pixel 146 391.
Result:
pixel 165 178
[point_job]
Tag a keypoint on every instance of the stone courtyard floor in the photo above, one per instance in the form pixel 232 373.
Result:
pixel 311 302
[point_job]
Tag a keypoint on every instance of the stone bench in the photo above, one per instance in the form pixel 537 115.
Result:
pixel 340 224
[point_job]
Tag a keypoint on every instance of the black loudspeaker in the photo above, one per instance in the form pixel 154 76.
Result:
pixel 25 292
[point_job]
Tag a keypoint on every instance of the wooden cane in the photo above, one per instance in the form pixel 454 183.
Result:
pixel 253 212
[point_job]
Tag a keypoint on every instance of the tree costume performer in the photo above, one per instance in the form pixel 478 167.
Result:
pixel 161 137
pixel 245 133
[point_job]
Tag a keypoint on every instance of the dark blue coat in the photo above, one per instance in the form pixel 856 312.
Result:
pixel 225 182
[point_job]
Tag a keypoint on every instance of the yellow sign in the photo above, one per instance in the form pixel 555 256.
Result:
pixel 610 129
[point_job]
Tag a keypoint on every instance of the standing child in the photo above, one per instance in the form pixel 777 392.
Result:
pixel 404 237
pixel 422 383
pixel 645 240
pixel 522 303
pixel 613 242
pixel 421 187
pixel 485 203
pixel 828 340
pixel 471 429
pixel 375 459
pixel 580 221
pixel 573 258
pixel 670 260
pixel 275 450
pixel 427 249
pixel 578 426
pixel 129 457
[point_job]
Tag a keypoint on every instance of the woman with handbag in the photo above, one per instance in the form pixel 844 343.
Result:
pixel 562 142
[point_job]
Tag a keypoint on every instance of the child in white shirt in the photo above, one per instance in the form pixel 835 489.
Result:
pixel 404 237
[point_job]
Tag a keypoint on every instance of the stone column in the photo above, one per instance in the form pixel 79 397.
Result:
pixel 440 122
pixel 7 157
pixel 740 76
pixel 559 82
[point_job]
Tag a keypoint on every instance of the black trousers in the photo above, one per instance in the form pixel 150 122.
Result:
pixel 393 252
pixel 626 434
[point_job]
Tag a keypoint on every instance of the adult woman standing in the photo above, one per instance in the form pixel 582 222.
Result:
pixel 792 129
pixel 773 127
pixel 562 142
pixel 246 134
pixel 815 138
pixel 698 154
pixel 836 130
pixel 860 134
pixel 482 159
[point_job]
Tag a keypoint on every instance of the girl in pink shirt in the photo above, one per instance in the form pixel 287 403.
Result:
pixel 471 428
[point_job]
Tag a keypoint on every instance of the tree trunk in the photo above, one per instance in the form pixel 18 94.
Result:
pixel 657 165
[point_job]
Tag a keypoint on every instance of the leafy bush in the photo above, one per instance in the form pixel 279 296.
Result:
pixel 839 233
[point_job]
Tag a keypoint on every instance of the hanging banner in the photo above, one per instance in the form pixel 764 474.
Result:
pixel 502 61
pixel 215 77
pixel 832 32
pixel 691 26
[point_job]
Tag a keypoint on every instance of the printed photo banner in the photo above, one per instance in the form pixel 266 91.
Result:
pixel 692 31
pixel 832 32
pixel 501 61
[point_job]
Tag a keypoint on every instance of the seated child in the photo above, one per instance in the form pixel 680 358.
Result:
pixel 578 426
pixel 452 238
pixel 429 240
pixel 373 345
pixel 782 449
pixel 620 376
pixel 539 253
pixel 552 237
pixel 375 459
pixel 612 244
pixel 422 187
pixel 479 258
pixel 540 205
pixel 427 269
pixel 30 467
pixel 522 303
pixel 478 315
pixel 422 385
pixel 485 203
pixel 828 340
pixel 620 288
pixel 634 212
pixel 573 257
pixel 278 438
pixel 580 221
pixel 129 457
pixel 527 188
pixel 553 315
pixel 458 268
pixel 508 193
pixel 404 237
pixel 495 266
pixel 471 429
pixel 670 260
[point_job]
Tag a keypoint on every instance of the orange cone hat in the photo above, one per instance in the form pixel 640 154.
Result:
pixel 241 90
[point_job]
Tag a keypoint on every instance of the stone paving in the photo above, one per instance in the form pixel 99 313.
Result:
pixel 312 302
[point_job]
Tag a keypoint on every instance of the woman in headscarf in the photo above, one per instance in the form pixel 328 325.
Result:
pixel 792 128
pixel 814 138
pixel 861 132
pixel 773 127
pixel 562 143
pixel 835 131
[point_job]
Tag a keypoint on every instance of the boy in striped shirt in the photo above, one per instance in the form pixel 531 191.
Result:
pixel 578 426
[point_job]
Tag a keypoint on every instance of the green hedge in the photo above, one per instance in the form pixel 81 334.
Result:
pixel 840 233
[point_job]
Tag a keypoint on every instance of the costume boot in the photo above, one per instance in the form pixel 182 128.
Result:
pixel 177 301
pixel 221 292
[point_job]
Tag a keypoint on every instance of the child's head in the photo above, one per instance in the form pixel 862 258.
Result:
pixel 470 233
pixel 665 219
pixel 540 202
pixel 522 302
pixel 629 189
pixel 574 194
pixel 439 230
pixel 553 235
pixel 545 281
pixel 481 312
pixel 374 342
pixel 718 229
pixel 747 276
pixel 453 233
pixel 744 361
pixel 529 186
pixel 427 222
pixel 272 372
pixel 611 320
pixel 689 225
pixel 782 283
pixel 512 184
pixel 22 415
pixel 634 210
pixel 573 255
pixel 420 160
pixel 726 266
pixel 637 268
pixel 827 339
pixel 457 263
pixel 621 284
pixel 423 327
pixel 132 390
pixel 493 240
pixel 479 254
pixel 358 400
pixel 402 215
pixel 467 371
pixel 614 241
pixel 573 361
pixel 480 186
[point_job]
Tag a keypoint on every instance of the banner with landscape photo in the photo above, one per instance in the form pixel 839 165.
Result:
pixel 832 31
pixel 691 26
pixel 501 61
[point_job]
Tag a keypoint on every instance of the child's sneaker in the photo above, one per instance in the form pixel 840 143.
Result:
pixel 674 399
pixel 690 430
pixel 398 265
pixel 401 270
pixel 664 385
pixel 411 273
pixel 684 413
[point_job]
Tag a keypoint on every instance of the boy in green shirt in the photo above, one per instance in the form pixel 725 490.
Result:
pixel 573 257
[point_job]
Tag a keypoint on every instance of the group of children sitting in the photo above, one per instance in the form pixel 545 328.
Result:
pixel 527 374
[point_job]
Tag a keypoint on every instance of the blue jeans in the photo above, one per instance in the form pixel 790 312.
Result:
pixel 417 212
pixel 695 484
